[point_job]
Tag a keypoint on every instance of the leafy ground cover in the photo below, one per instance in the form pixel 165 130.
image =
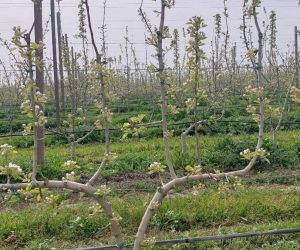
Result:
pixel 76 222
pixel 69 220
pixel 217 152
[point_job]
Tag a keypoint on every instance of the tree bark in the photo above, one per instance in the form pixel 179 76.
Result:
pixel 296 58
pixel 77 187
pixel 32 97
pixel 283 108
pixel 73 145
pixel 163 191
pixel 61 66
pixel 39 130
pixel 55 73
pixel 184 135
pixel 163 91
pixel 105 110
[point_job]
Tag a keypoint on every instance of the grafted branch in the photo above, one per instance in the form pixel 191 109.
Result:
pixel 77 187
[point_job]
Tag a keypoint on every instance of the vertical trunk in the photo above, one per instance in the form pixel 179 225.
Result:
pixel 11 118
pixel 198 156
pixel 233 66
pixel 106 114
pixel 184 135
pixel 146 63
pixel 275 140
pixel 39 130
pixel 228 66
pixel 283 108
pixel 127 69
pixel 259 68
pixel 113 221
pixel 35 139
pixel 61 66
pixel 296 58
pixel 163 92
pixel 195 109
pixel 72 83
pixel 55 73
pixel 73 149
pixel 85 80
pixel 216 68
pixel 163 191
pixel 183 143
pixel 105 110
pixel 213 73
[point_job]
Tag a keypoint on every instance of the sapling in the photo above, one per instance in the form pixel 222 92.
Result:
pixel 177 75
pixel 128 76
pixel 195 57
pixel 163 191
pixel 33 99
pixel 60 59
pixel 84 78
pixel 157 36
pixel 216 53
pixel 272 39
pixel 72 127
pixel 78 83
pixel 31 107
pixel 38 61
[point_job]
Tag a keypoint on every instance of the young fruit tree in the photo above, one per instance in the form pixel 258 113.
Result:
pixel 32 105
pixel 157 35
pixel 195 174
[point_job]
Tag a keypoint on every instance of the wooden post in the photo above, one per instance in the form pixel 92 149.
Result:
pixel 55 73
pixel 61 66
pixel 39 130
pixel 296 58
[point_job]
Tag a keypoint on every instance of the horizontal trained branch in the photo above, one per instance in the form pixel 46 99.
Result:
pixel 77 187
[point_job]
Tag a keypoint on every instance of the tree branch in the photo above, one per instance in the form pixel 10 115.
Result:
pixel 77 187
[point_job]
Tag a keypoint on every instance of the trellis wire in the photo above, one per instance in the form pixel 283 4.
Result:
pixel 148 126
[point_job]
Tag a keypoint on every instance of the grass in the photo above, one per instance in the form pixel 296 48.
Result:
pixel 39 226
pixel 208 213
pixel 218 152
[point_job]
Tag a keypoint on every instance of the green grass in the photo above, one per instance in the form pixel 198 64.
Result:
pixel 217 152
pixel 234 112
pixel 208 213
pixel 37 226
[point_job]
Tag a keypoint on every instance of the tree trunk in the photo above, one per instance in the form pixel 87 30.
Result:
pixel 275 138
pixel 106 114
pixel 39 130
pixel 163 92
pixel 105 110
pixel 77 187
pixel 198 156
pixel 32 100
pixel 73 145
pixel 296 58
pixel 184 135
pixel 61 66
pixel 55 73
pixel 164 190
